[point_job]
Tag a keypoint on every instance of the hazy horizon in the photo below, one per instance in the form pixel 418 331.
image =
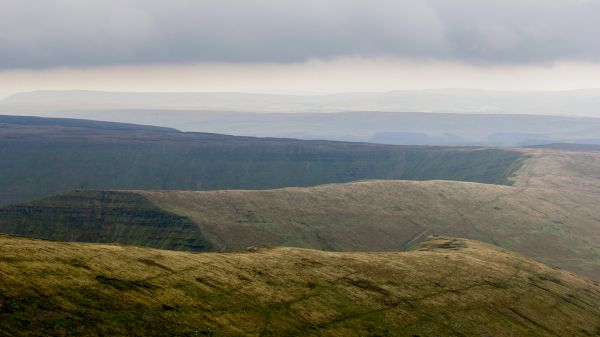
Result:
pixel 193 65
pixel 474 101
pixel 317 47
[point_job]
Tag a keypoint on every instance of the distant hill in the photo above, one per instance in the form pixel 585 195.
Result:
pixel 41 157
pixel 453 117
pixel 570 147
pixel 32 121
pixel 444 286
pixel 568 102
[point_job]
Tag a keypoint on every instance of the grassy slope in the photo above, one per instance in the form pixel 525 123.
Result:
pixel 102 216
pixel 550 213
pixel 41 160
pixel 449 287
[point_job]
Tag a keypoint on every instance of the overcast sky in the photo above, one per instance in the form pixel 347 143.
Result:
pixel 281 44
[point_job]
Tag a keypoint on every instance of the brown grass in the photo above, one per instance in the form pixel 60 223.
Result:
pixel 551 213
pixel 446 287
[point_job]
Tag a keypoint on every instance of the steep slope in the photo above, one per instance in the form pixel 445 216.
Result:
pixel 550 213
pixel 103 217
pixel 43 157
pixel 446 287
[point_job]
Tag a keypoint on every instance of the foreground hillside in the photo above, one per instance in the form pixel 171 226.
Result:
pixel 40 157
pixel 444 286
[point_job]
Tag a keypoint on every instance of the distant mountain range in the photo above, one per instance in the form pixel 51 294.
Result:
pixel 570 102
pixel 428 117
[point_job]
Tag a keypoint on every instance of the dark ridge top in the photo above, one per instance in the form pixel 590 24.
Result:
pixel 39 160
pixel 79 123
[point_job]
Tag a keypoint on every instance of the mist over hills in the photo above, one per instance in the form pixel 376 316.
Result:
pixel 429 117
pixel 582 102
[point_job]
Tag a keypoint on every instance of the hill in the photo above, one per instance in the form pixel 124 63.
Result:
pixel 550 213
pixel 103 216
pixel 31 121
pixel 444 286
pixel 423 117
pixel 570 147
pixel 45 157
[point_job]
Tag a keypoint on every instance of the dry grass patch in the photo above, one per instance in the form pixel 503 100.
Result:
pixel 550 213
pixel 444 286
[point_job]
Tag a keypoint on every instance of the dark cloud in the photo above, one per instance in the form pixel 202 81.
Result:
pixel 52 33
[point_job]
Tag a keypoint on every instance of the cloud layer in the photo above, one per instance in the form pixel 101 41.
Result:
pixel 54 33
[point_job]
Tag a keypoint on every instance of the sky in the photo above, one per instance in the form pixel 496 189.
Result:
pixel 309 46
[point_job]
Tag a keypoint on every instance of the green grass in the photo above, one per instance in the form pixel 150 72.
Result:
pixel 102 216
pixel 38 161
pixel 444 286
pixel 549 214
